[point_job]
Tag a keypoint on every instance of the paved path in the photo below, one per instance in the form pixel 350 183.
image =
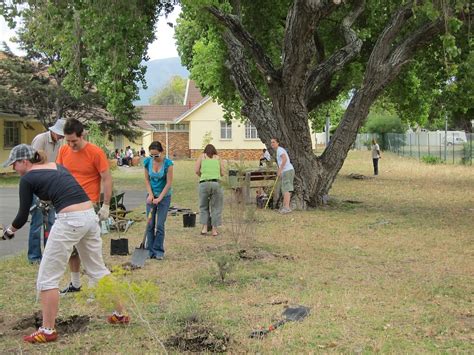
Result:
pixel 9 207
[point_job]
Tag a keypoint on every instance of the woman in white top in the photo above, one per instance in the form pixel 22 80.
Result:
pixel 375 156
pixel 286 173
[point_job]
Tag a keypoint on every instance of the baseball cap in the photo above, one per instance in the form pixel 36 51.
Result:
pixel 58 127
pixel 20 152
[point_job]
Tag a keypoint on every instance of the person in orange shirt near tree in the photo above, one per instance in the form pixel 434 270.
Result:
pixel 90 167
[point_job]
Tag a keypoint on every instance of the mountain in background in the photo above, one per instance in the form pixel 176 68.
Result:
pixel 158 73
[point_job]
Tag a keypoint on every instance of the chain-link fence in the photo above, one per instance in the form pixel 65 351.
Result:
pixel 453 147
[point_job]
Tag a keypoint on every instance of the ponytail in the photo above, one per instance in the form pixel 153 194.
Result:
pixel 39 157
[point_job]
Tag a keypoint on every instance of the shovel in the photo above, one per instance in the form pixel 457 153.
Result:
pixel 140 254
pixel 290 314
pixel 271 192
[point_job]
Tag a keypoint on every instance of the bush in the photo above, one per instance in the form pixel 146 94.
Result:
pixel 430 159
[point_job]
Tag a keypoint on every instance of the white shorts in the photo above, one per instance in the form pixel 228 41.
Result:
pixel 80 229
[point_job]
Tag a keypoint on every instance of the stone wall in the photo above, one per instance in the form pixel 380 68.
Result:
pixel 233 154
pixel 178 143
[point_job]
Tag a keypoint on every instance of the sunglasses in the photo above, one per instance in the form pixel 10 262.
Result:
pixel 155 155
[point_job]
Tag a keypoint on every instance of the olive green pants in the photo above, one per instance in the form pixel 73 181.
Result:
pixel 211 201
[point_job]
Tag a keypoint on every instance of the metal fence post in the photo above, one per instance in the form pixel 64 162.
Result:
pixel 429 153
pixel 403 146
pixel 418 138
pixel 440 158
pixel 453 147
pixel 410 145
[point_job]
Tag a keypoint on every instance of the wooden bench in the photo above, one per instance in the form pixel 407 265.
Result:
pixel 257 179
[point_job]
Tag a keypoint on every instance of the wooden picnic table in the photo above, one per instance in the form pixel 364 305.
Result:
pixel 244 181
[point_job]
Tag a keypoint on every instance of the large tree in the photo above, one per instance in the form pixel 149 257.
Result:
pixel 91 44
pixel 276 62
pixel 27 89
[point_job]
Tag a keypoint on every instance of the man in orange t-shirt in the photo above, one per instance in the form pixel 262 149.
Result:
pixel 90 167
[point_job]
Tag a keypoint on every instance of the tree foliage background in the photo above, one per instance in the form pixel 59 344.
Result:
pixel 172 93
pixel 89 46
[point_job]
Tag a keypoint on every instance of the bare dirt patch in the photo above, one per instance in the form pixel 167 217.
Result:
pixel 259 254
pixel 197 336
pixel 70 325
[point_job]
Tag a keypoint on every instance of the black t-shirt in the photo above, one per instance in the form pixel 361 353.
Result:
pixel 57 186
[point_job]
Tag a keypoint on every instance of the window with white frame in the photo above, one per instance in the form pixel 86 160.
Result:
pixel 178 127
pixel 250 131
pixel 160 127
pixel 226 130
pixel 11 134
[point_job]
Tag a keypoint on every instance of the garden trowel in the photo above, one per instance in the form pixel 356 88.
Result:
pixel 290 314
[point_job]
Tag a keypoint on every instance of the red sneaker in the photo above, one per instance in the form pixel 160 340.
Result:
pixel 40 337
pixel 114 319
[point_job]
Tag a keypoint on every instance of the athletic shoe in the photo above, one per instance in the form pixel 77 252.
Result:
pixel 284 210
pixel 114 319
pixel 69 289
pixel 40 337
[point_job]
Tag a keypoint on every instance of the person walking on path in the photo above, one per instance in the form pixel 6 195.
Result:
pixel 90 167
pixel 158 181
pixel 375 156
pixel 210 169
pixel 48 142
pixel 76 225
pixel 286 173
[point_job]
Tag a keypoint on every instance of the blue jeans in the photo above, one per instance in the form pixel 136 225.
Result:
pixel 34 237
pixel 156 237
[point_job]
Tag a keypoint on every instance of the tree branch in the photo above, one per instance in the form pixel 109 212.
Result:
pixel 320 50
pixel 255 108
pixel 322 74
pixel 383 46
pixel 325 93
pixel 298 46
pixel 232 23
pixel 383 66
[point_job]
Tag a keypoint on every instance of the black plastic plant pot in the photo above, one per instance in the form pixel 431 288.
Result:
pixel 119 246
pixel 189 220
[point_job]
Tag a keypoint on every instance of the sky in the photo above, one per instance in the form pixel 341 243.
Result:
pixel 163 47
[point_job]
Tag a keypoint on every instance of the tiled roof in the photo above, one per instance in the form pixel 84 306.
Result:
pixel 193 95
pixel 161 112
pixel 144 125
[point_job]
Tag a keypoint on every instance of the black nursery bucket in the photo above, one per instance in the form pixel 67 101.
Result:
pixel 119 246
pixel 189 220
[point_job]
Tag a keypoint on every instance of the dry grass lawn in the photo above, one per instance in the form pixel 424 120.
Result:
pixel 393 273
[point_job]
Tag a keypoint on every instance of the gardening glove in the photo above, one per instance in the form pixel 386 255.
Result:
pixel 8 234
pixel 104 212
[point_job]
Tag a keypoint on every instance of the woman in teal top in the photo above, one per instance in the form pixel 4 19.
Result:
pixel 158 180
pixel 209 168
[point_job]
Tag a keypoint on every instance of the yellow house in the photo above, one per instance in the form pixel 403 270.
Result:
pixel 16 130
pixel 184 129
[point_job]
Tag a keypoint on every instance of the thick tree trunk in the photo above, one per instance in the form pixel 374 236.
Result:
pixel 298 86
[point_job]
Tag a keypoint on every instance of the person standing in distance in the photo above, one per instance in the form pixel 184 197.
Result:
pixel 90 167
pixel 375 156
pixel 49 142
pixel 286 173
